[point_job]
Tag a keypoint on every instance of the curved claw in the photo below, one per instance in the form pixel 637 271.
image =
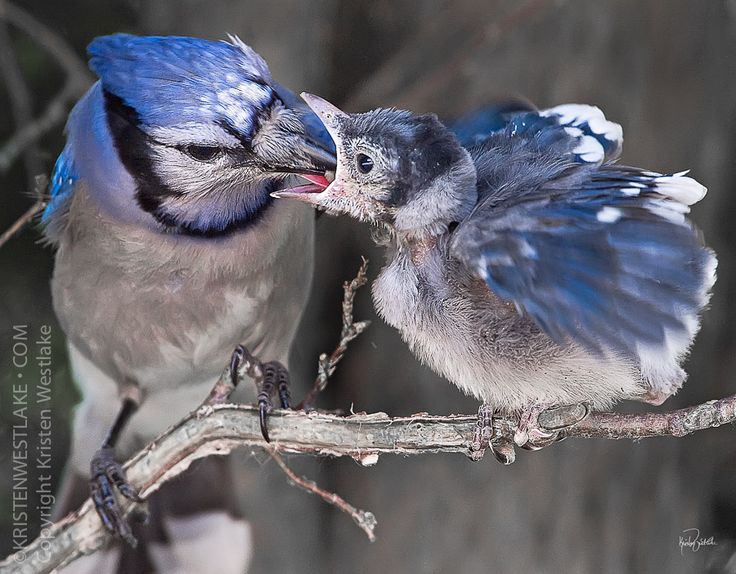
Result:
pixel 236 359
pixel 541 425
pixel 121 483
pixel 503 451
pixel 263 418
pixel 275 380
pixel 107 475
pixel 285 400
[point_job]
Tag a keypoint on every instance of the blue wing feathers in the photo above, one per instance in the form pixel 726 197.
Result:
pixel 580 131
pixel 61 187
pixel 476 126
pixel 601 255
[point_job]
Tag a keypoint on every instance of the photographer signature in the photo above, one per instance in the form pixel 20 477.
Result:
pixel 692 540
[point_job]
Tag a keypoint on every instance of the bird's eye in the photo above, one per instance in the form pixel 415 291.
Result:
pixel 203 152
pixel 364 162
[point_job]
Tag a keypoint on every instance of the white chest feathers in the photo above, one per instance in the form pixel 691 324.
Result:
pixel 396 294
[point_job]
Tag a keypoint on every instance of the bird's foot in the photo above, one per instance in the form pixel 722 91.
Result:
pixel 271 379
pixel 533 434
pixel 654 397
pixel 275 381
pixel 485 438
pixel 106 477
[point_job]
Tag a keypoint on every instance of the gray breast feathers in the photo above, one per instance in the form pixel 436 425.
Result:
pixel 166 310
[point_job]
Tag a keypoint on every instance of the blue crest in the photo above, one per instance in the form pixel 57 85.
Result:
pixel 172 80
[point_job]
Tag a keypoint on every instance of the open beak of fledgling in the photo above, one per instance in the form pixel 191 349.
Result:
pixel 321 188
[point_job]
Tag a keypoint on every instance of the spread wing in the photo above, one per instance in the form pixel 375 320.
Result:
pixel 595 253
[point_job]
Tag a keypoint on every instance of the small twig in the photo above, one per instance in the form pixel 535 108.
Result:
pixel 243 363
pixel 27 217
pixel 22 221
pixel 350 330
pixel 363 518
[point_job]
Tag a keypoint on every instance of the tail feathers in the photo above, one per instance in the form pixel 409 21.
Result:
pixel 206 542
pixel 660 363
pixel 106 560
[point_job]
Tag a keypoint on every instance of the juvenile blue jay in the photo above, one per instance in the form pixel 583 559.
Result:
pixel 170 252
pixel 529 269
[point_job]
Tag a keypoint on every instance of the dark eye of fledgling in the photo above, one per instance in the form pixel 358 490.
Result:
pixel 364 162
pixel 203 152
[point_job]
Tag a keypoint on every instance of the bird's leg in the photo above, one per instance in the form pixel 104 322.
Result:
pixel 533 434
pixel 107 475
pixel 483 438
pixel 275 381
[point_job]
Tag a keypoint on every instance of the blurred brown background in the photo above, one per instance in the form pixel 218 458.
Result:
pixel 664 69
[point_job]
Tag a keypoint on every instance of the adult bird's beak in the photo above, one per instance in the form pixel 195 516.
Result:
pixel 294 141
pixel 321 157
pixel 319 185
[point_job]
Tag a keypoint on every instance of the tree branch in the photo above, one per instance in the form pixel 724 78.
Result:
pixel 677 423
pixel 218 429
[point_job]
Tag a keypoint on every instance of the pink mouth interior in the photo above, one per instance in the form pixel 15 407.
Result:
pixel 318 183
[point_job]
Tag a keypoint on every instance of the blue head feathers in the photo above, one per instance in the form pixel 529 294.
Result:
pixel 199 126
pixel 172 81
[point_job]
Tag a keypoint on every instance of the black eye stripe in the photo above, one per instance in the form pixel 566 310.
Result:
pixel 364 163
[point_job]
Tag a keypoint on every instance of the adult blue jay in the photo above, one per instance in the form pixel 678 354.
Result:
pixel 170 252
pixel 529 269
